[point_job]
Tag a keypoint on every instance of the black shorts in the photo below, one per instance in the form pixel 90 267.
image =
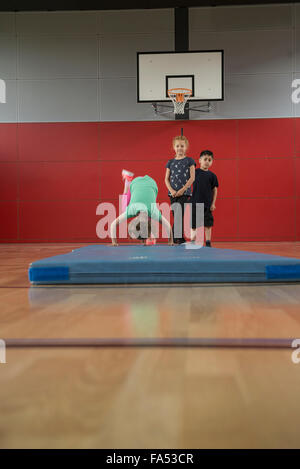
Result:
pixel 208 218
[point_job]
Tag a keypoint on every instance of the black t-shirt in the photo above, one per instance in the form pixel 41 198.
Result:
pixel 180 172
pixel 204 183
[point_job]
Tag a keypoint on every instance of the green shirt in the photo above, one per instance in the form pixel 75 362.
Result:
pixel 143 198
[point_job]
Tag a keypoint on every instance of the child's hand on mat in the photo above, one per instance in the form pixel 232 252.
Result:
pixel 213 207
pixel 171 243
pixel 114 243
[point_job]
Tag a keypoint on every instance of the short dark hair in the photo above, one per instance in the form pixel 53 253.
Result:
pixel 207 152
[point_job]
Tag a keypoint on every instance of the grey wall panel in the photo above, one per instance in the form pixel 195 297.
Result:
pixel 8 110
pixel 259 57
pixel 213 114
pixel 241 18
pixel 256 96
pixel 58 57
pixel 118 53
pixel 58 100
pixel 297 15
pixel 297 51
pixel 250 51
pixel 61 55
pixel 53 23
pixel 136 21
pixel 118 101
pixel 7 23
pixel 297 110
pixel 8 57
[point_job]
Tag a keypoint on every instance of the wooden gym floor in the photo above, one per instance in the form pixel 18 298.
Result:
pixel 147 397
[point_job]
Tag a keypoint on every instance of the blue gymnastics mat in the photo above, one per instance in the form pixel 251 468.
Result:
pixel 162 264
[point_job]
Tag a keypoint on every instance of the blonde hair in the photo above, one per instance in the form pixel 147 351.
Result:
pixel 181 137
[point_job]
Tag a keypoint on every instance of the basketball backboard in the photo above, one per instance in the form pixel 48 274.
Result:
pixel 200 71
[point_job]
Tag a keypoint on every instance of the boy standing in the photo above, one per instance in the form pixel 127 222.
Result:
pixel 204 191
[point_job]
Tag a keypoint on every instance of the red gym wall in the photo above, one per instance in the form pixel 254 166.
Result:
pixel 53 175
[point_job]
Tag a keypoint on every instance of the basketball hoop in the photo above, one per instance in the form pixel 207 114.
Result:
pixel 179 97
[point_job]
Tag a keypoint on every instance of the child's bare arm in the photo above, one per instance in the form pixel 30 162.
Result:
pixel 167 183
pixel 113 228
pixel 215 193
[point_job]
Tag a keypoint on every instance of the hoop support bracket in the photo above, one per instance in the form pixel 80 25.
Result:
pixel 157 106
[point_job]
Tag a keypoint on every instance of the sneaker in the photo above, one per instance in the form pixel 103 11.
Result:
pixel 150 241
pixel 127 175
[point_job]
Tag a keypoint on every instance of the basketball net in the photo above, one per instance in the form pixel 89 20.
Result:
pixel 179 96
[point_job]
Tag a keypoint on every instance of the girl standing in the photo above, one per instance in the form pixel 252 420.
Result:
pixel 180 175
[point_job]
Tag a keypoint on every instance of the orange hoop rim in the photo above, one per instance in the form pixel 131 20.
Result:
pixel 179 93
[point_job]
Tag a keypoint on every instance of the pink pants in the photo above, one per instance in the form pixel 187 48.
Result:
pixel 125 200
